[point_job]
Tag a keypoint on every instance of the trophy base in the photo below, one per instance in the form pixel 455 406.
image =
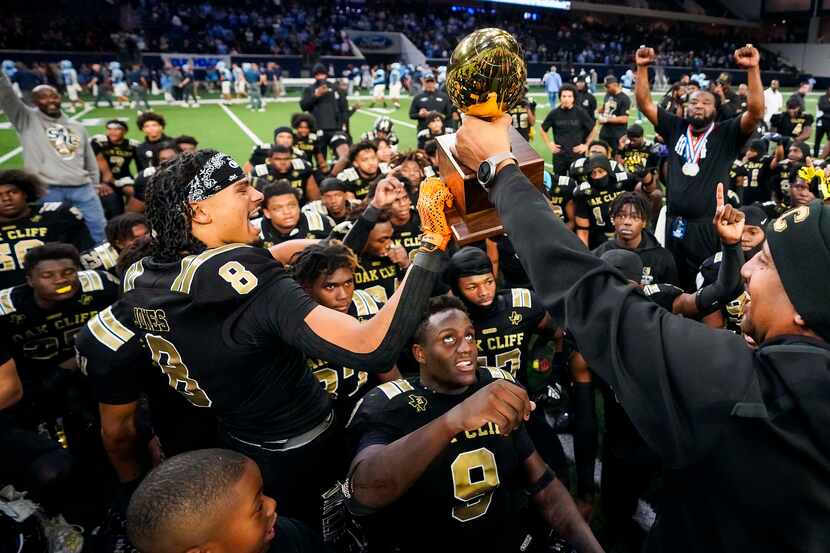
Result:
pixel 473 217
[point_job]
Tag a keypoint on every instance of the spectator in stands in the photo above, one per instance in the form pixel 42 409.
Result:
pixel 57 150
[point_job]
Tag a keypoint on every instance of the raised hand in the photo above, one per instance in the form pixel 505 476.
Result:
pixel 747 57
pixel 500 402
pixel 728 221
pixel 386 192
pixel 433 198
pixel 644 56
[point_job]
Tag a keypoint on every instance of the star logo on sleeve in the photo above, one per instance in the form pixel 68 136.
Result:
pixel 419 403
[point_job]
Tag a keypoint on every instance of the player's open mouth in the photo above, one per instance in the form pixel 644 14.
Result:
pixel 465 366
pixel 64 289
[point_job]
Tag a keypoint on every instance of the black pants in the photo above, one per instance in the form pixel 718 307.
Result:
pixel 821 131
pixel 700 241
pixel 561 164
pixel 298 477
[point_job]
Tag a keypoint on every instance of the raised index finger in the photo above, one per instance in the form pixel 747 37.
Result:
pixel 719 197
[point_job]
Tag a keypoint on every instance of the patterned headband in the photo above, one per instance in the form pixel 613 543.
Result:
pixel 218 173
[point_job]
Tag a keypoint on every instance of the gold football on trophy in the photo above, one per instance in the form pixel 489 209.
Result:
pixel 487 73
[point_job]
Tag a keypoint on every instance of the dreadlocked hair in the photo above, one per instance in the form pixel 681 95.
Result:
pixel 167 209
pixel 323 258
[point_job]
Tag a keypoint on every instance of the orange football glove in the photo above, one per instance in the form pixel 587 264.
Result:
pixel 433 199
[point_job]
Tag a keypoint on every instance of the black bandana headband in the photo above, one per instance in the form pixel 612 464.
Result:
pixel 219 172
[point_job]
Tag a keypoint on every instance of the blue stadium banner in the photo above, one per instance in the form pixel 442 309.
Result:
pixel 198 61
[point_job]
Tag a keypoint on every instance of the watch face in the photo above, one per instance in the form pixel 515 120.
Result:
pixel 484 172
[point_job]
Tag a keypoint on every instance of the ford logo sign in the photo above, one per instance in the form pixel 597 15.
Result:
pixel 373 42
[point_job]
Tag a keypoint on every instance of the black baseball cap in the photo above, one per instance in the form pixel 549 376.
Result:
pixel 610 79
pixel 429 77
pixel 319 68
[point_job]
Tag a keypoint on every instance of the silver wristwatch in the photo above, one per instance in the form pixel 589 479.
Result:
pixel 487 170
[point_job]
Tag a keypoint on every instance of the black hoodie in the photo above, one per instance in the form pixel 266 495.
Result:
pixel 658 262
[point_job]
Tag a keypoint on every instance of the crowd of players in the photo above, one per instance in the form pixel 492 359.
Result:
pixel 193 356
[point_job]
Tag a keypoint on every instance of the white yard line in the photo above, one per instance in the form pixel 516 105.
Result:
pixel 368 113
pixel 248 132
pixel 8 155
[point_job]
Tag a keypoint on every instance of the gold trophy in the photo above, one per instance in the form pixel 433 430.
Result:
pixel 485 78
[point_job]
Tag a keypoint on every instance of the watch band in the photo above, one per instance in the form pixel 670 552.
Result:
pixel 498 158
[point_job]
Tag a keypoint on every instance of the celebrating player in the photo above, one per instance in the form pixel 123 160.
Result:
pixel 204 304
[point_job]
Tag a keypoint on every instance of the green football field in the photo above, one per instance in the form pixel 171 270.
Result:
pixel 235 129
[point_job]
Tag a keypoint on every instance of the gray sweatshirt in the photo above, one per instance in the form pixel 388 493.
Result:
pixel 55 149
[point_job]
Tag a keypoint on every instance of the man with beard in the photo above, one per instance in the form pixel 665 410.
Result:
pixel 571 126
pixel 701 152
pixel 614 115
pixel 722 417
pixel 630 214
pixel 56 150
pixel 793 123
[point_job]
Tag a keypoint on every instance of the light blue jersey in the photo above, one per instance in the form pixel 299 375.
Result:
pixel 380 77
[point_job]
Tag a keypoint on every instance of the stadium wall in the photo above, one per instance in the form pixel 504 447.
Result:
pixel 810 58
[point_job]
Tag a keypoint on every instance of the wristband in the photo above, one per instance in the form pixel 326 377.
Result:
pixel 547 477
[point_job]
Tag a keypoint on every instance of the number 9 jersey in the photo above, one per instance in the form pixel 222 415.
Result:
pixel 471 497
pixel 217 324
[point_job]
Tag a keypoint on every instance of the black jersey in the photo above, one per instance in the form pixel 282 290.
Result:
pixel 261 152
pixel 733 311
pixel 358 184
pixel 409 234
pixel 37 337
pixel 560 193
pixel 103 257
pixel 147 153
pixel 310 225
pixel 379 276
pixel 520 117
pixel 426 134
pixel 344 385
pixel 390 137
pixel 217 324
pixel 594 204
pixel 779 181
pixel 756 181
pixel 118 156
pixel 636 161
pixel 790 126
pixel 471 496
pixel 309 147
pixel 504 329
pixel 47 222
pixel 298 176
